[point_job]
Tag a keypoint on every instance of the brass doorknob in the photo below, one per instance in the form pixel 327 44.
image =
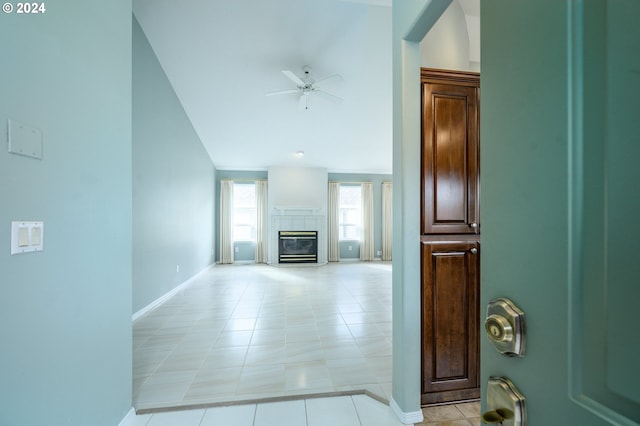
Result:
pixel 497 416
pixel 505 403
pixel 492 417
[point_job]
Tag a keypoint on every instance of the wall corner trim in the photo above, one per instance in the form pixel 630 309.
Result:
pixel 406 418
pixel 160 300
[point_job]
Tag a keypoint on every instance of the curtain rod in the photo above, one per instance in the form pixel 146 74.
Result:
pixel 266 180
pixel 354 183
pixel 242 179
pixel 350 183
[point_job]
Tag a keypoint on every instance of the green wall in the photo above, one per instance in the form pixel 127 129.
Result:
pixel 412 19
pixel 173 184
pixel 349 250
pixel 65 356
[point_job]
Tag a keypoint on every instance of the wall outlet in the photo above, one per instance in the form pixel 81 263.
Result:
pixel 177 268
pixel 379 253
pixel 237 249
pixel 350 248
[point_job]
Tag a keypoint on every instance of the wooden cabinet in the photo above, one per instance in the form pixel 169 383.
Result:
pixel 450 240
pixel 450 321
pixel 450 155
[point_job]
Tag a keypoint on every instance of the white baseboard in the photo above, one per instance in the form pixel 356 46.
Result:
pixel 160 300
pixel 128 419
pixel 406 418
pixel 133 419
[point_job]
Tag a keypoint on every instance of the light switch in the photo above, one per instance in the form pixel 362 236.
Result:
pixel 36 236
pixel 26 237
pixel 23 236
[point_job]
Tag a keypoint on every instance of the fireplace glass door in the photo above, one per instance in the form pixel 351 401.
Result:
pixel 298 247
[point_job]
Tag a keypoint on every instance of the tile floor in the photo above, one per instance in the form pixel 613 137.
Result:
pixel 248 332
pixel 356 410
pixel 463 414
pixel 253 332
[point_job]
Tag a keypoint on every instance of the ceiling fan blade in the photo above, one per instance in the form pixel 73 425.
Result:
pixel 282 92
pixel 293 77
pixel 328 96
pixel 330 77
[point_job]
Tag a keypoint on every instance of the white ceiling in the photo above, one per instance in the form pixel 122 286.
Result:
pixel 222 56
pixel 470 7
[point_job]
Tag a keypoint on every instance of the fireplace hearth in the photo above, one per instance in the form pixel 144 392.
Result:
pixel 298 246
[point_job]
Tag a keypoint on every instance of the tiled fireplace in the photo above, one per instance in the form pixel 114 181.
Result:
pixel 298 202
pixel 298 219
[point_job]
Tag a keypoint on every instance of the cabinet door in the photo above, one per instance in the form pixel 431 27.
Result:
pixel 450 321
pixel 450 175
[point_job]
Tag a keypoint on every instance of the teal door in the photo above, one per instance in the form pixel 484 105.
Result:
pixel 560 203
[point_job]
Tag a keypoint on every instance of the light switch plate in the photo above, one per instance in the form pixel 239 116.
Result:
pixel 24 140
pixel 26 237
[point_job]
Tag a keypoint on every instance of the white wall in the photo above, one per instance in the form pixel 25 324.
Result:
pixel 297 202
pixel 298 187
pixel 446 45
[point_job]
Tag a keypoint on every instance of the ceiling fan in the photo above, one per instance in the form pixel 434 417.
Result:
pixel 307 86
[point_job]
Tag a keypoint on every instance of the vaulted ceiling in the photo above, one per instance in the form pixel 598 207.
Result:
pixel 221 57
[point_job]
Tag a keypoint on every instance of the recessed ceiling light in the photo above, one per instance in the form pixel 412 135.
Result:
pixel 300 154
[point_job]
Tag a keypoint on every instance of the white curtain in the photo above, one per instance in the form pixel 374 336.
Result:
pixel 366 239
pixel 262 236
pixel 333 221
pixel 226 221
pixel 387 220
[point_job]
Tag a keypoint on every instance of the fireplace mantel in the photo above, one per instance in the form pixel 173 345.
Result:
pixel 298 211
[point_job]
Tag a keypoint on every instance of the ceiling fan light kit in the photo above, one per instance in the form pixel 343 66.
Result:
pixel 307 86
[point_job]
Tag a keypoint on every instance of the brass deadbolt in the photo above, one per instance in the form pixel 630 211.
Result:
pixel 498 328
pixel 505 327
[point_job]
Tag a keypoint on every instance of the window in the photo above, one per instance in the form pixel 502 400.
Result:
pixel 244 212
pixel 350 210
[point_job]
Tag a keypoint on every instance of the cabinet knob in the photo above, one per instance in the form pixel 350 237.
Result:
pixel 473 250
pixel 473 225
